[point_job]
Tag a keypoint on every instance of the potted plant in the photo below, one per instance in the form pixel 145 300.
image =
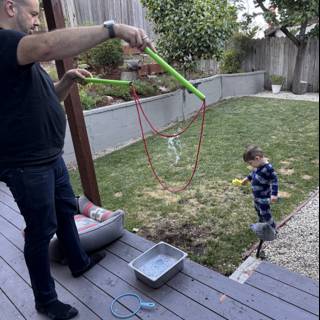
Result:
pixel 276 83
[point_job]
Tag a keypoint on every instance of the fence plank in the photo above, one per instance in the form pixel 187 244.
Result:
pixel 277 56
pixel 83 12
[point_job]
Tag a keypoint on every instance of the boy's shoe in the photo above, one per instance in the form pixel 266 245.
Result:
pixel 264 231
pixel 94 259
pixel 57 310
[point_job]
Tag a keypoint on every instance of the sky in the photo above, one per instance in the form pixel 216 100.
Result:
pixel 259 21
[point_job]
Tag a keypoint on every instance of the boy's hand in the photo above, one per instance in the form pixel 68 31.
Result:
pixel 244 181
pixel 274 199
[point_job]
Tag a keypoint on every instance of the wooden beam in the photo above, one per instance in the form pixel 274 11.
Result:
pixel 55 20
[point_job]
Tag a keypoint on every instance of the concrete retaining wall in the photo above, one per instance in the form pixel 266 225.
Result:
pixel 113 127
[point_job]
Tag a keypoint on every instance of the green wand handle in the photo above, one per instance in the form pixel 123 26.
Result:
pixel 108 82
pixel 188 85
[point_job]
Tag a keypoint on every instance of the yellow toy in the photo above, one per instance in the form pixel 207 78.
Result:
pixel 237 182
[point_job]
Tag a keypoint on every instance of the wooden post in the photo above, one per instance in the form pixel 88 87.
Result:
pixel 55 20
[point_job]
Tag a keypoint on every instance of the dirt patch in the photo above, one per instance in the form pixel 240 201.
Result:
pixel 316 162
pixel 187 228
pixel 286 171
pixel 159 194
pixel 284 194
pixel 286 163
pixel 306 177
pixel 118 195
pixel 182 234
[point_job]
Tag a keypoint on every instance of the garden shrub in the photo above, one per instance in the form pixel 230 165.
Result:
pixel 277 80
pixel 231 62
pixel 108 55
pixel 88 100
pixel 146 89
pixel 238 48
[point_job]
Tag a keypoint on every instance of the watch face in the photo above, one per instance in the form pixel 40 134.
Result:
pixel 109 23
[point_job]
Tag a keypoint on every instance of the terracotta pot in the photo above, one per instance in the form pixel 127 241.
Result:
pixel 155 69
pixel 130 51
pixel 144 70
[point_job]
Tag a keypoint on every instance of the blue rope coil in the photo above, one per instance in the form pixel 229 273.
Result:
pixel 142 305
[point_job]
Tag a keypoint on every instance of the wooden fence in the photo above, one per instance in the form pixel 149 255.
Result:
pixel 278 56
pixel 84 12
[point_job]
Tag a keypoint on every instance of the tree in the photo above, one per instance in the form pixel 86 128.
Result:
pixel 292 13
pixel 189 30
pixel 246 26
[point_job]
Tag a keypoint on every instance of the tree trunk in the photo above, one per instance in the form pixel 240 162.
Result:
pixel 297 87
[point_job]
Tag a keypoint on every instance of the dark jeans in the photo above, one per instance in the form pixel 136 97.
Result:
pixel 47 202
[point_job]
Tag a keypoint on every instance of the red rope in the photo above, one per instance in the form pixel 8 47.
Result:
pixel 137 100
pixel 162 183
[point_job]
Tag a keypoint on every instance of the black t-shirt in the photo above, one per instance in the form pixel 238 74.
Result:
pixel 32 121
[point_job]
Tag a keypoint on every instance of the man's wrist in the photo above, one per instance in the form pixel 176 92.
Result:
pixel 116 28
pixel 110 26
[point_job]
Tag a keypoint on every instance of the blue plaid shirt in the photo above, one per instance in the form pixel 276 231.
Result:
pixel 264 182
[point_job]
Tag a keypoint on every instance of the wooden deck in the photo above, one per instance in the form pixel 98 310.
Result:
pixel 197 293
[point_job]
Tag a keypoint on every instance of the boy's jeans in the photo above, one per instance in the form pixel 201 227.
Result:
pixel 47 202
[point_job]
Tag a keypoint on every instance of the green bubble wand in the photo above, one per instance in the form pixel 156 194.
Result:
pixel 186 84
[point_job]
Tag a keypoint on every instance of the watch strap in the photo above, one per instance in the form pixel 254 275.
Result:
pixel 109 25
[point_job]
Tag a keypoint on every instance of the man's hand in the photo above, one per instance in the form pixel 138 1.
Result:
pixel 68 80
pixel 137 38
pixel 274 199
pixel 77 75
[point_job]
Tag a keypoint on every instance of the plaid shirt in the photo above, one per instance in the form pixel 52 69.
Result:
pixel 264 182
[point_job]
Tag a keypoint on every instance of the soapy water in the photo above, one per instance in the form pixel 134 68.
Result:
pixel 174 149
pixel 157 266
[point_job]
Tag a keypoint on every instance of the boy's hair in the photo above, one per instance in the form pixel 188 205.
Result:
pixel 251 152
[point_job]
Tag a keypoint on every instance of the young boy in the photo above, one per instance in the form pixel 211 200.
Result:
pixel 264 183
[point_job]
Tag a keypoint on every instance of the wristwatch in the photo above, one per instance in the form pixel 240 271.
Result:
pixel 109 25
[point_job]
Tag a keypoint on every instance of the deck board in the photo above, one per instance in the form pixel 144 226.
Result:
pixel 284 292
pixel 17 290
pixel 290 278
pixel 8 310
pixel 195 293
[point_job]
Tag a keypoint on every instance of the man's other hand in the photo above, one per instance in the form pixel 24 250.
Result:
pixel 78 75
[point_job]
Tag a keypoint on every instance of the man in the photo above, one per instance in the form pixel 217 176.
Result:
pixel 32 130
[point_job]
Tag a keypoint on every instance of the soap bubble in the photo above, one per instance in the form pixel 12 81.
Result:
pixel 174 149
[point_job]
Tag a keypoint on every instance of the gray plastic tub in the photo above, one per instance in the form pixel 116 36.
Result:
pixel 159 264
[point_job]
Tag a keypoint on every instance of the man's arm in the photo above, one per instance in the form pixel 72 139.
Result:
pixel 63 86
pixel 63 43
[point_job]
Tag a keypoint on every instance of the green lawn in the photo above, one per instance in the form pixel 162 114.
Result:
pixel 210 220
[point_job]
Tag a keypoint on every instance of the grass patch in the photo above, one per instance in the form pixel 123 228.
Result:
pixel 210 220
